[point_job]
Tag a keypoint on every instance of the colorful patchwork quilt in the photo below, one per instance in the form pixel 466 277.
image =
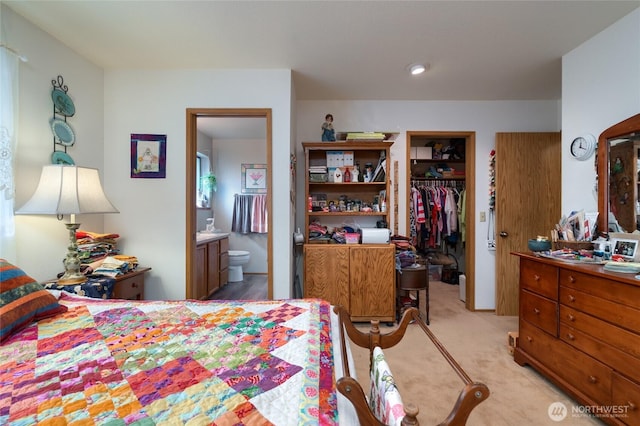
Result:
pixel 115 362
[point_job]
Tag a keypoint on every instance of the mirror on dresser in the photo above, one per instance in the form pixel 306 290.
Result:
pixel 618 180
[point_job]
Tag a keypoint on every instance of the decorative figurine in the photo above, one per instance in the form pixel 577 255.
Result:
pixel 328 133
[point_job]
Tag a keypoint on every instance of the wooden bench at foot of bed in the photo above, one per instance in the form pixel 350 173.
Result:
pixel 472 393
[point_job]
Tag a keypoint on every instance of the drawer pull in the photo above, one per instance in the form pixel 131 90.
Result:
pixel 571 336
pixel 572 278
pixel 536 277
pixel 572 298
pixel 134 285
pixel 632 406
pixel 529 339
pixel 571 317
pixel 593 379
pixel 536 311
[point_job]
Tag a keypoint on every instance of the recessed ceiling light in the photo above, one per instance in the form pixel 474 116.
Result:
pixel 417 69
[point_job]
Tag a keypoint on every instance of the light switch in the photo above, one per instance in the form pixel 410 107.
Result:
pixel 483 216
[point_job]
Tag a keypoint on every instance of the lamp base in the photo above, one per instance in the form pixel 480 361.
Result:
pixel 72 274
pixel 71 279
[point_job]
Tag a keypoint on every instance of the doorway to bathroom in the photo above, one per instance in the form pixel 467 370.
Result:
pixel 229 132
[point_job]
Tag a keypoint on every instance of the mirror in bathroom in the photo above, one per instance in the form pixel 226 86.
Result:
pixel 618 180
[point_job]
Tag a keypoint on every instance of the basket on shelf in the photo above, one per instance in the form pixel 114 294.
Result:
pixel 573 245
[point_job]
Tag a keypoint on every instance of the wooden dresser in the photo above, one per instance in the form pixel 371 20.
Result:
pixel 580 328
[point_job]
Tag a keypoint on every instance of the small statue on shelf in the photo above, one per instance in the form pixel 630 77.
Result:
pixel 328 133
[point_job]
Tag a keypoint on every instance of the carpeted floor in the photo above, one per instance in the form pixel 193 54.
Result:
pixel 478 342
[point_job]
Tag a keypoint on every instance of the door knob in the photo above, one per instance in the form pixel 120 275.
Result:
pixel 504 234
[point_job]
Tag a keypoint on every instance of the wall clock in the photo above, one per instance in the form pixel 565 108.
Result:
pixel 583 147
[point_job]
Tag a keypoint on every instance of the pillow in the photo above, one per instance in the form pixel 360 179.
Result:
pixel 22 300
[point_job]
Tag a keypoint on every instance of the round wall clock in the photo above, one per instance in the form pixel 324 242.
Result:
pixel 583 147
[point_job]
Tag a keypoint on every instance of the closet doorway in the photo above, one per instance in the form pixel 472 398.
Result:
pixel 460 159
pixel 193 114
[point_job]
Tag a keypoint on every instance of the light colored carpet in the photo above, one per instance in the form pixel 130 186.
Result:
pixel 478 342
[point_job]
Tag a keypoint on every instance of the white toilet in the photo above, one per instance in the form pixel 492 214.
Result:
pixel 237 258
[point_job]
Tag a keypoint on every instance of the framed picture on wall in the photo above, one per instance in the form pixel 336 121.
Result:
pixel 254 178
pixel 148 156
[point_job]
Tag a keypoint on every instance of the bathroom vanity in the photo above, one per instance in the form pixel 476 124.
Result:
pixel 212 264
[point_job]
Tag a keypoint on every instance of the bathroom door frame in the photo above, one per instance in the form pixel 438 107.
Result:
pixel 191 146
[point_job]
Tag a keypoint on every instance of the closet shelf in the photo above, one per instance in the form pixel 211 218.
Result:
pixel 438 178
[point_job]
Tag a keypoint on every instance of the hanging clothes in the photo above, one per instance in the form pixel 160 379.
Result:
pixel 436 212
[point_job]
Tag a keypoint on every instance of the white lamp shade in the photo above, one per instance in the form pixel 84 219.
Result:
pixel 68 190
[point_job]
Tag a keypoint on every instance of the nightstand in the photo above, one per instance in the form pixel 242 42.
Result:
pixel 130 286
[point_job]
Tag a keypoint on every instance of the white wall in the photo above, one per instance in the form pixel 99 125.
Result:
pixel 600 87
pixel 153 210
pixel 41 241
pixel 484 118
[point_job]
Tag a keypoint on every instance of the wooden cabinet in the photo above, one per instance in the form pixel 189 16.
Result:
pixel 580 327
pixel 130 286
pixel 334 203
pixel 358 277
pixel 212 267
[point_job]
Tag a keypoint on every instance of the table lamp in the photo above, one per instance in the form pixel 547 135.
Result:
pixel 69 190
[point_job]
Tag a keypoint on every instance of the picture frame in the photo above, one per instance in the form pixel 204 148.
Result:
pixel 625 247
pixel 254 178
pixel 148 156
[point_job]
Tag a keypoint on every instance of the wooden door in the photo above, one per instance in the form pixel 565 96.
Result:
pixel 326 273
pixel 372 282
pixel 528 203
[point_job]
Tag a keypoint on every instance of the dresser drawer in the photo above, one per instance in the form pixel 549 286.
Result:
pixel 626 399
pixel 539 311
pixel 224 260
pixel 224 245
pixel 224 277
pixel 582 372
pixel 605 309
pixel 539 278
pixel 131 288
pixel 611 345
pixel 624 294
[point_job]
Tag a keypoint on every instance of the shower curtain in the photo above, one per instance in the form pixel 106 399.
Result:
pixel 250 214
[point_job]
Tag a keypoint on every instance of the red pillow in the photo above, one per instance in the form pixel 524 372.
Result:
pixel 22 300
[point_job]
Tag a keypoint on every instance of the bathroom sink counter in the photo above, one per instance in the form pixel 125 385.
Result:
pixel 205 237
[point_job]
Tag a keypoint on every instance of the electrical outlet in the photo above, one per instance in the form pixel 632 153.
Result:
pixel 491 244
pixel 483 216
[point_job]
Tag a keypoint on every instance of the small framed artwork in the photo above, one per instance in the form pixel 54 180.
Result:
pixel 148 156
pixel 254 178
pixel 626 248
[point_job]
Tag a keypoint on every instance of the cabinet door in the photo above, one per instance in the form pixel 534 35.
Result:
pixel 200 290
pixel 224 262
pixel 372 289
pixel 213 277
pixel 326 273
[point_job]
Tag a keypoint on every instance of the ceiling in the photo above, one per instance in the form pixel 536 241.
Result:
pixel 342 50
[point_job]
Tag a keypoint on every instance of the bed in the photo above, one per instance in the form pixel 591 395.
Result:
pixel 78 360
